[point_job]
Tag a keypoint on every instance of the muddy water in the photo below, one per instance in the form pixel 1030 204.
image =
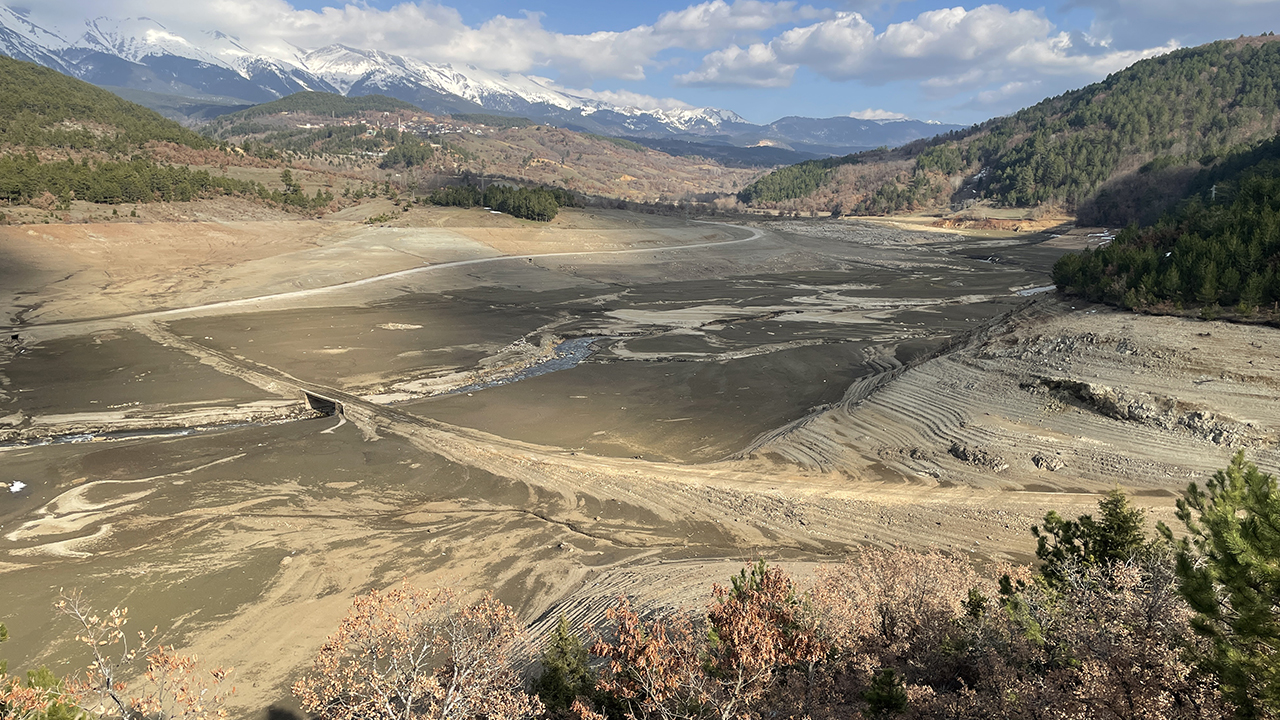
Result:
pixel 112 371
pixel 685 411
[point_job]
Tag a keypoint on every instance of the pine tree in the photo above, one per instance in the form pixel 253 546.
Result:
pixel 565 676
pixel 1116 536
pixel 886 696
pixel 1229 567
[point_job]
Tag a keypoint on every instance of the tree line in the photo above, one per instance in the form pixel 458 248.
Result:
pixel 24 178
pixel 1220 247
pixel 537 203
pixel 320 103
pixel 1115 622
pixel 501 122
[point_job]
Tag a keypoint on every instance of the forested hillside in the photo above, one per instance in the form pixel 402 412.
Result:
pixel 40 107
pixel 494 121
pixel 483 145
pixel 1183 109
pixel 64 140
pixel 1219 248
pixel 318 103
pixel 538 203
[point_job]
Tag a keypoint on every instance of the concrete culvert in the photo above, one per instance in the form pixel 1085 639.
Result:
pixel 322 405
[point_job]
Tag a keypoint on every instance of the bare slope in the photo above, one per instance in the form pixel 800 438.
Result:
pixel 1053 397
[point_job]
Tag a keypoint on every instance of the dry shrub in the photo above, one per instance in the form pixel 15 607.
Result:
pixel 747 662
pixel 173 686
pixel 175 154
pixel 1126 626
pixel 886 606
pixel 1107 642
pixel 653 667
pixel 21 702
pixel 45 201
pixel 408 653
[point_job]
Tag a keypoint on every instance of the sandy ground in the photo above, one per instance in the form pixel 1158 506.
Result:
pixel 791 391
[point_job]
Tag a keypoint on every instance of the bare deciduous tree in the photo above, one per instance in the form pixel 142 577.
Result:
pixel 172 687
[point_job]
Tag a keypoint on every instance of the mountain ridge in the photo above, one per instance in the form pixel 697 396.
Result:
pixel 1115 151
pixel 144 54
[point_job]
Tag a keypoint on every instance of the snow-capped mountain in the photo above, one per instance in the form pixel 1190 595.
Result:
pixel 138 39
pixel 143 54
pixel 354 71
pixel 22 39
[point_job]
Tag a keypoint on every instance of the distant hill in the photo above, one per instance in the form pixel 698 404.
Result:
pixel 188 111
pixel 494 121
pixel 727 155
pixel 320 103
pixel 40 107
pixel 145 54
pixel 1165 114
pixel 505 147
pixel 810 134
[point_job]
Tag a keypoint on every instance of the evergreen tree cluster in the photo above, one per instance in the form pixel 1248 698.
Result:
pixel 793 181
pixel 537 203
pixel 502 122
pixel 1191 105
pixel 319 103
pixel 1115 536
pixel 44 108
pixel 1220 247
pixel 1229 564
pixel 408 152
pixel 331 139
pixel 293 195
pixel 904 193
pixel 140 180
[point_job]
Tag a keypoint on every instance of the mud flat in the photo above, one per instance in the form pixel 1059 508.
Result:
pixel 791 391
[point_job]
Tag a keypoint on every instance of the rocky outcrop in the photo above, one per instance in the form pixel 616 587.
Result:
pixel 1156 410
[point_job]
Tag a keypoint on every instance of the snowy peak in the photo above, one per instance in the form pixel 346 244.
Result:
pixel 19 23
pixel 23 39
pixel 144 53
pixel 136 39
pixel 228 67
pixel 348 68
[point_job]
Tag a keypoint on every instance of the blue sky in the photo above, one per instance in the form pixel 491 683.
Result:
pixel 926 59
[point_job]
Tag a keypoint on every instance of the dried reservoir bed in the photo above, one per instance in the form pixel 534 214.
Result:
pixel 560 413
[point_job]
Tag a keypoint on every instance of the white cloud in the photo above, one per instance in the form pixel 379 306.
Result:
pixel 1135 22
pixel 754 66
pixel 1005 91
pixel 622 97
pixel 871 114
pixel 947 50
